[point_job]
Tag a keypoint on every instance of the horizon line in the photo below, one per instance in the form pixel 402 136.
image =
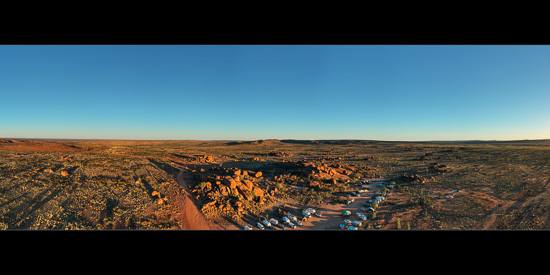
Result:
pixel 341 139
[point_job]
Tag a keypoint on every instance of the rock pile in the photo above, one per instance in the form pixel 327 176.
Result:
pixel 439 168
pixel 413 178
pixel 279 154
pixel 232 194
pixel 206 158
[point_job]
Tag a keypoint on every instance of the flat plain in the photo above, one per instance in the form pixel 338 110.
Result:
pixel 194 184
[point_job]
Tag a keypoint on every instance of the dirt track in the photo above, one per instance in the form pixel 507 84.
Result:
pixel 191 216
pixel 493 217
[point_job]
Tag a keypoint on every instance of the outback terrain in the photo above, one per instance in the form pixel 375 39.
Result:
pixel 111 184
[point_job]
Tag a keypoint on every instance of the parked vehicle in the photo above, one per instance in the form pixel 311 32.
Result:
pixel 292 217
pixel 370 210
pixel 346 213
pixel 281 225
pixel 306 214
pixel 343 226
pixel 357 223
pixel 346 221
pixel 266 223
pixel 274 221
pixel 318 214
pixel 247 227
pixel 260 226
pixel 363 217
pixel 352 228
pixel 285 219
pixel 291 225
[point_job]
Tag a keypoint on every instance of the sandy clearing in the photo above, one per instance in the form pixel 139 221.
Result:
pixel 332 213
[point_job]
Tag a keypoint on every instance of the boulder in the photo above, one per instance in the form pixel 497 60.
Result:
pixel 224 190
pixel 249 185
pixel 229 182
pixel 257 191
pixel 238 203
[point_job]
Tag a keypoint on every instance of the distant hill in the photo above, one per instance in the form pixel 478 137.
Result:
pixel 370 142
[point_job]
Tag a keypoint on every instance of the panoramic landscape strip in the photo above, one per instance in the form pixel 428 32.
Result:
pixel 274 184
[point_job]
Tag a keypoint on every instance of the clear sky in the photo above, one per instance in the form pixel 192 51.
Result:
pixel 249 92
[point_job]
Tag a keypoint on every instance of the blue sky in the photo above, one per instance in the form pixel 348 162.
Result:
pixel 378 92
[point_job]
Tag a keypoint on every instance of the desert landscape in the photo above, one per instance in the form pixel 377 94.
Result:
pixel 201 185
pixel 274 137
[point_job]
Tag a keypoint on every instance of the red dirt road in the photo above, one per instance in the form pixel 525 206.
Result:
pixel 191 216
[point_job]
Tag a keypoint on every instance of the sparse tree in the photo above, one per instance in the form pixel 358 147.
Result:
pixel 398 223
pixel 202 185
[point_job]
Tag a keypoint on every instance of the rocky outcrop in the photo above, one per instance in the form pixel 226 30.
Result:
pixel 413 178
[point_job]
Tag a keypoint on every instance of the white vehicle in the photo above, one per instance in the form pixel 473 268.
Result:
pixel 346 221
pixel 299 223
pixel 357 223
pixel 274 221
pixel 285 219
pixel 292 217
pixel 247 227
pixel 291 225
pixel 318 214
pixel 311 210
pixel 266 223
pixel 306 214
pixel 260 226
pixel 352 228
pixel 363 217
